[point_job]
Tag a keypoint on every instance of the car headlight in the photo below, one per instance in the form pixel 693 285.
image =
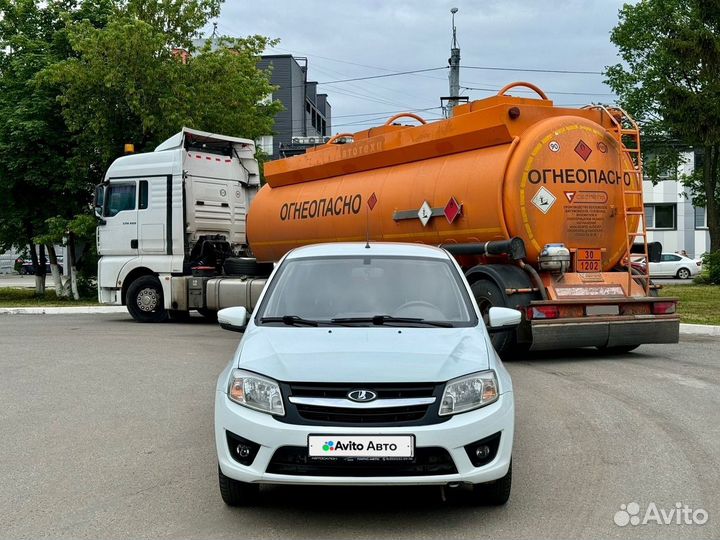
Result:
pixel 469 392
pixel 255 392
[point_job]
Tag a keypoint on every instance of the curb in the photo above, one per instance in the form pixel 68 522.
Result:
pixel 691 329
pixel 700 329
pixel 70 310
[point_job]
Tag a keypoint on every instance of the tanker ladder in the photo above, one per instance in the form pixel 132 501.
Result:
pixel 625 128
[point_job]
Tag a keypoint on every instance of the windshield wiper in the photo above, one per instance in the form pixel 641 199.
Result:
pixel 384 319
pixel 290 320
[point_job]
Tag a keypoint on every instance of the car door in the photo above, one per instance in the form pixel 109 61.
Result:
pixel 666 266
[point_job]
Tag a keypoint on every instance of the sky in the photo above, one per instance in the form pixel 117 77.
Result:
pixel 344 39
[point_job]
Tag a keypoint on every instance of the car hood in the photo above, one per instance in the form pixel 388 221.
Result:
pixel 363 354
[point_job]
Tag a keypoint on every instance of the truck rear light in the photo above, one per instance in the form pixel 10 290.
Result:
pixel 663 308
pixel 543 312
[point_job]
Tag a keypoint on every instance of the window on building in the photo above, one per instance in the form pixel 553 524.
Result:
pixel 660 216
pixel 119 197
pixel 700 218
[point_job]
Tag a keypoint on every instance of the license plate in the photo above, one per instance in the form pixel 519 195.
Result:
pixel 366 446
pixel 588 260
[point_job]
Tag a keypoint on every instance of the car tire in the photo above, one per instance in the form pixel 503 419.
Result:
pixel 145 300
pixel 246 266
pixel 683 273
pixel 236 493
pixel 494 493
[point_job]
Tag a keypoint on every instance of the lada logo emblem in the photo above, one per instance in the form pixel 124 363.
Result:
pixel 361 395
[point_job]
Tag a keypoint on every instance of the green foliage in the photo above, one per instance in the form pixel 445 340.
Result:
pixel 129 85
pixel 711 266
pixel 670 82
pixel 79 78
pixel 179 20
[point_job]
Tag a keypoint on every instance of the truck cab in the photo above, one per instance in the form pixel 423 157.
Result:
pixel 171 219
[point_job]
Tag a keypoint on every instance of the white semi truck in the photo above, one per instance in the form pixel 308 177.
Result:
pixel 171 234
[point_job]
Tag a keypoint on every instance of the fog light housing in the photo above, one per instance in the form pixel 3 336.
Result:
pixel 242 450
pixel 483 451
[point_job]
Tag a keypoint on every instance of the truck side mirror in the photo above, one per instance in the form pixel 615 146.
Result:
pixel 99 199
pixel 233 318
pixel 501 319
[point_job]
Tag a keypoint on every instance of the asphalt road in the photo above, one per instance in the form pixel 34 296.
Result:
pixel 106 432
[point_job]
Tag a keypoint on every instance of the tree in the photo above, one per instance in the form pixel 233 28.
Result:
pixel 79 78
pixel 128 83
pixel 670 82
pixel 38 179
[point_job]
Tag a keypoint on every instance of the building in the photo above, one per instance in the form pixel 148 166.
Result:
pixel 670 215
pixel 306 120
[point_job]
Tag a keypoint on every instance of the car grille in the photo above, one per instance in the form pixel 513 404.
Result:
pixel 315 414
pixel 294 460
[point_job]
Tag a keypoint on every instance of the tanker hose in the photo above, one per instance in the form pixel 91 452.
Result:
pixel 515 248
pixel 535 278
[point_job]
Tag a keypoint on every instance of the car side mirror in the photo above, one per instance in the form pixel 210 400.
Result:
pixel 501 319
pixel 233 318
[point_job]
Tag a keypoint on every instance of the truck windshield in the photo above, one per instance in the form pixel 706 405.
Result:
pixel 367 291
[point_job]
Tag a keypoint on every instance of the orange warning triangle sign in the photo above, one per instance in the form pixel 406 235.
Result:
pixel 570 195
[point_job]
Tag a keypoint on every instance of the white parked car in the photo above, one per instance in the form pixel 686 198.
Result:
pixel 675 265
pixel 365 366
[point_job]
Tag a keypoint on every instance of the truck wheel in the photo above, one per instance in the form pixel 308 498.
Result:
pixel 488 295
pixel 683 273
pixel 145 300
pixel 236 493
pixel 246 266
pixel 495 493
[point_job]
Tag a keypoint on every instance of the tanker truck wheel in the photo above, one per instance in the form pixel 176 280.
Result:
pixel 145 300
pixel 488 295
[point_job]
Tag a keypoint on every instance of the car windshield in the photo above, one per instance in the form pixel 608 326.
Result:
pixel 367 291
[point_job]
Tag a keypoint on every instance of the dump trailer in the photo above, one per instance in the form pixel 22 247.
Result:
pixel 540 205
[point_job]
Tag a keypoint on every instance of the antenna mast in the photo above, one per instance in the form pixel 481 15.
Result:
pixel 454 61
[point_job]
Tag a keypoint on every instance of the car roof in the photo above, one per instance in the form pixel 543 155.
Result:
pixel 360 249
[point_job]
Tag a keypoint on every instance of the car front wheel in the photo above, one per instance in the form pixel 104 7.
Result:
pixel 236 493
pixel 494 493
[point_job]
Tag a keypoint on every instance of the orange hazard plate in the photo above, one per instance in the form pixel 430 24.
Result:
pixel 588 260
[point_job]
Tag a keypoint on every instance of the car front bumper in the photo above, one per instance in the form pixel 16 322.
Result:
pixel 451 435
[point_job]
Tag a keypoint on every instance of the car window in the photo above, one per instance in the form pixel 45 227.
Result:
pixel 323 289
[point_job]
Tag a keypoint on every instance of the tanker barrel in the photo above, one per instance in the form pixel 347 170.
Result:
pixel 654 250
pixel 515 248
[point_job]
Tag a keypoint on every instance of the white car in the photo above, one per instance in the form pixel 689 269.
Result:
pixel 675 265
pixel 365 366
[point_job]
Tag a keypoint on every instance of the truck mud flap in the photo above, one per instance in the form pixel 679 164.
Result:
pixel 559 334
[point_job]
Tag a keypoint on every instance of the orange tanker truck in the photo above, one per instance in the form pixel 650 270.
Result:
pixel 541 206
